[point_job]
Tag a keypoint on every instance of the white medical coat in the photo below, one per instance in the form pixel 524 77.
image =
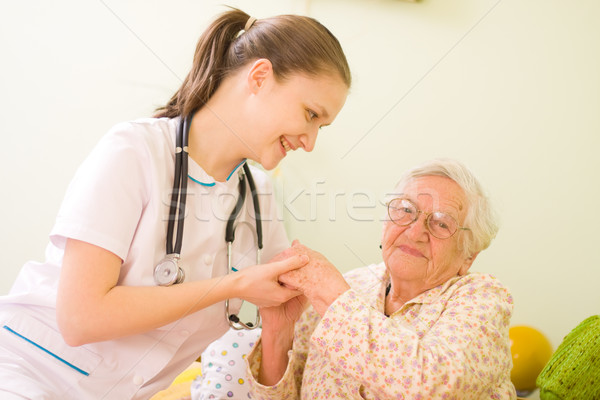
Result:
pixel 118 200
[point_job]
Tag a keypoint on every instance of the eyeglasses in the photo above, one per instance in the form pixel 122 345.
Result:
pixel 404 212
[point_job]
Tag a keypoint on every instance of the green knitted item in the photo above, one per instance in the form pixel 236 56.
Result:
pixel 573 372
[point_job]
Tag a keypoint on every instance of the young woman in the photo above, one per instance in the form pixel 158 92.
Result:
pixel 102 317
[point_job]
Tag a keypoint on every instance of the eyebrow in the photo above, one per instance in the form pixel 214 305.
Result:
pixel 324 114
pixel 459 205
pixel 322 111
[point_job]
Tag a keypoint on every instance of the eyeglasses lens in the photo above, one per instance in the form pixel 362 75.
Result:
pixel 441 225
pixel 404 212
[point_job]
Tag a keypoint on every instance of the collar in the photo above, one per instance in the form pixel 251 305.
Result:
pixel 433 294
pixel 198 175
pixel 427 297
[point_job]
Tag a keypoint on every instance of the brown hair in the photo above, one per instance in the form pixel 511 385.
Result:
pixel 292 43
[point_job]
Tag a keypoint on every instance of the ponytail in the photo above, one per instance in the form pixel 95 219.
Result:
pixel 208 66
pixel 292 43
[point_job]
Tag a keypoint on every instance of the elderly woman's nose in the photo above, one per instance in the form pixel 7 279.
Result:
pixel 417 230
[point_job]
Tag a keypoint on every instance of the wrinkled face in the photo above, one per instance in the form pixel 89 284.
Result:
pixel 288 114
pixel 411 253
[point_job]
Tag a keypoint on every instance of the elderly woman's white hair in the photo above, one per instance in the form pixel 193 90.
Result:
pixel 481 218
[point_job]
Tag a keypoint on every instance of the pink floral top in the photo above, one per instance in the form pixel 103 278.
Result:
pixel 450 342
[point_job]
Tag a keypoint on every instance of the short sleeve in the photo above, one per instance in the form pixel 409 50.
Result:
pixel 106 198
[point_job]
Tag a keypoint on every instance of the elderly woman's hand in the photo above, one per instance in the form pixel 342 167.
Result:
pixel 278 331
pixel 284 315
pixel 319 280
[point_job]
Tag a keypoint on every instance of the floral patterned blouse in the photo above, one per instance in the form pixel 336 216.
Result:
pixel 450 342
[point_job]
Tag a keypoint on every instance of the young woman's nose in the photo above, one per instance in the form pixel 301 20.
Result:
pixel 308 140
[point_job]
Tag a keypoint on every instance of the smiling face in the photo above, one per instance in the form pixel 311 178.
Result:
pixel 415 258
pixel 287 114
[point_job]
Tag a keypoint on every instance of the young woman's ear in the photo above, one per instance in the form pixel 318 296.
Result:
pixel 260 71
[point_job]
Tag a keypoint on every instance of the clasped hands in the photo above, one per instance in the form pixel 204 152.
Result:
pixel 319 281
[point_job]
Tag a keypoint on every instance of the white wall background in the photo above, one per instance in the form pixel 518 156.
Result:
pixel 509 87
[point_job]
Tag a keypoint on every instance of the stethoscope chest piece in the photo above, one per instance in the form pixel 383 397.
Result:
pixel 168 272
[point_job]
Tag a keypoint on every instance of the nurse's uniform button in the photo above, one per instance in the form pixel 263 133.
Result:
pixel 138 380
pixel 207 259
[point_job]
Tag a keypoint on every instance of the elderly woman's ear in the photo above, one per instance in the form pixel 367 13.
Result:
pixel 467 264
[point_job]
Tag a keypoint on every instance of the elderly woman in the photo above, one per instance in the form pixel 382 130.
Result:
pixel 417 326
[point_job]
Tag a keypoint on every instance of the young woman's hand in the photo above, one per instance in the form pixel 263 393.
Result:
pixel 286 314
pixel 260 284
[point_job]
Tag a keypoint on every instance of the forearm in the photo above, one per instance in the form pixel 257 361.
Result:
pixel 92 307
pixel 275 359
pixel 288 385
pixel 129 310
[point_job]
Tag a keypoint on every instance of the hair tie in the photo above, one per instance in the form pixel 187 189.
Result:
pixel 249 23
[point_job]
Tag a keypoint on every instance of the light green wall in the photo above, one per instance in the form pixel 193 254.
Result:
pixel 512 89
pixel 509 87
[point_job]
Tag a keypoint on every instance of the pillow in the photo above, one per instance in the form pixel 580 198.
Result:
pixel 224 367
pixel 573 372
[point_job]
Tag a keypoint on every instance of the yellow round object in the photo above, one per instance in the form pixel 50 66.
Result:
pixel 187 376
pixel 531 351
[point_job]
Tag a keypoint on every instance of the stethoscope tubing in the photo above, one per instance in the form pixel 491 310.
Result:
pixel 229 228
pixel 177 216
pixel 178 195
pixel 257 216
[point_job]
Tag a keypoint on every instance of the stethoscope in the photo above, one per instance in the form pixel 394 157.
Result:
pixel 168 272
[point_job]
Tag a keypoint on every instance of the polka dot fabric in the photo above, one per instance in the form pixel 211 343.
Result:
pixel 450 342
pixel 224 367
